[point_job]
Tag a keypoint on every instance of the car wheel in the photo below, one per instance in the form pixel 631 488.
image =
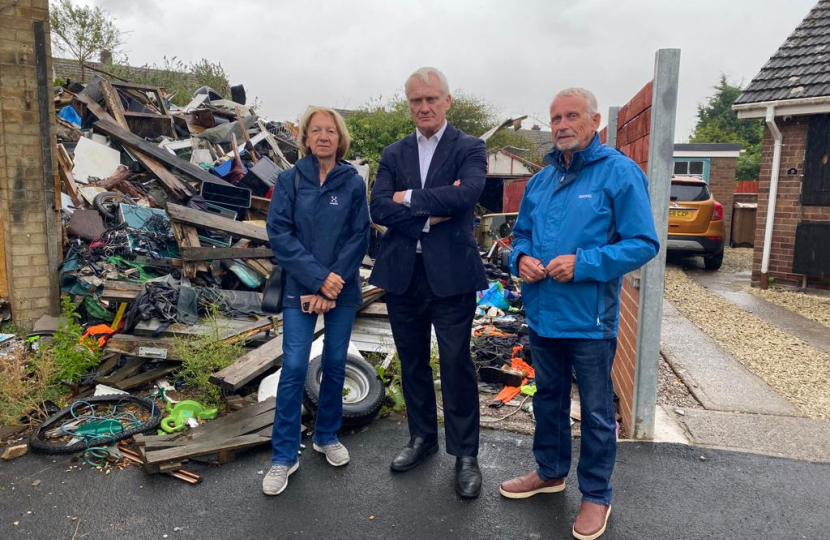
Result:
pixel 364 390
pixel 713 262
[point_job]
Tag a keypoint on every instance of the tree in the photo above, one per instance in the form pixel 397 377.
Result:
pixel 83 31
pixel 379 124
pixel 718 123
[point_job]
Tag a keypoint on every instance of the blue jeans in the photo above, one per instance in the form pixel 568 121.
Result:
pixel 298 333
pixel 591 360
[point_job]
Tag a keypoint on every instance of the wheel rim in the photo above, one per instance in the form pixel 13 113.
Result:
pixel 355 385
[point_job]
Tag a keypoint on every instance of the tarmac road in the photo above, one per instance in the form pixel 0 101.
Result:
pixel 662 491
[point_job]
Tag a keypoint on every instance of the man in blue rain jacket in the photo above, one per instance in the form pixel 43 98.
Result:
pixel 584 222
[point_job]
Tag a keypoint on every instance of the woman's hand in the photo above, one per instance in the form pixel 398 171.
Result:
pixel 320 305
pixel 332 286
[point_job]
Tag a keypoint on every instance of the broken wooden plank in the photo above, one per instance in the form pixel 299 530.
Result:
pixel 127 370
pixel 204 448
pixel 132 140
pixel 148 376
pixel 216 254
pixel 207 220
pixel 374 311
pixel 237 417
pixel 254 363
pixel 231 330
pixel 168 179
pixel 129 345
pixel 65 171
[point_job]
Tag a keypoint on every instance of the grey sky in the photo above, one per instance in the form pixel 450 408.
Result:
pixel 515 55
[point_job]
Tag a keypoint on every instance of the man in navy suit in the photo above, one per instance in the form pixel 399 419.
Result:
pixel 426 188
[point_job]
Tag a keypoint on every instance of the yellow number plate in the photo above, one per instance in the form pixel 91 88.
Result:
pixel 679 213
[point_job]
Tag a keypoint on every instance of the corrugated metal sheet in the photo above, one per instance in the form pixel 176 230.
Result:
pixel 801 66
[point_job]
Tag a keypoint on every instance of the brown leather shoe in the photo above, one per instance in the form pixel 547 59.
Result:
pixel 591 521
pixel 530 485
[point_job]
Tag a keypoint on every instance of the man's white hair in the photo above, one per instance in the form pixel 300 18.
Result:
pixel 423 74
pixel 589 96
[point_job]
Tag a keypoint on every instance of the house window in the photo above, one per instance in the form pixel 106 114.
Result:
pixel 698 167
pixel 815 187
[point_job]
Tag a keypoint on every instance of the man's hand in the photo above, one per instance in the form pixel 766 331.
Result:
pixel 399 196
pixel 562 268
pixel 531 269
pixel 320 305
pixel 435 220
pixel 332 286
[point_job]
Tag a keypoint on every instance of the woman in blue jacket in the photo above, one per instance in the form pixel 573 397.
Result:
pixel 319 235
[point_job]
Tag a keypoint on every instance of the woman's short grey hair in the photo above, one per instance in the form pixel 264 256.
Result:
pixel 589 96
pixel 423 74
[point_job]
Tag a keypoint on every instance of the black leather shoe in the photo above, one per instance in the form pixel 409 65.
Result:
pixel 467 477
pixel 413 454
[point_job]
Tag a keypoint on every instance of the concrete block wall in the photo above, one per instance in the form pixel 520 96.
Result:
pixel 23 214
pixel 788 211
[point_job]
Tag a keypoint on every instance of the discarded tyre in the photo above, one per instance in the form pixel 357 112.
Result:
pixel 363 390
pixel 51 437
pixel 107 203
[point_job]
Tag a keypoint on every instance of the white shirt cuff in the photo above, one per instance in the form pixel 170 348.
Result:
pixel 407 199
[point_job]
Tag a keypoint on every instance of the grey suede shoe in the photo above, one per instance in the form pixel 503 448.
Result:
pixel 336 453
pixel 276 480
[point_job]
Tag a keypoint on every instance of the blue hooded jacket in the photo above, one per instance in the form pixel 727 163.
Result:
pixel 598 209
pixel 326 230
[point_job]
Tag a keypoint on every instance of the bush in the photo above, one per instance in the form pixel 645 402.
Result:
pixel 204 355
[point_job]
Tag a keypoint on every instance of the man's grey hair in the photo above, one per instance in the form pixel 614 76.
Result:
pixel 589 96
pixel 423 74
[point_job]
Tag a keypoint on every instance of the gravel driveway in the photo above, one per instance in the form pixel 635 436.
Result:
pixel 797 371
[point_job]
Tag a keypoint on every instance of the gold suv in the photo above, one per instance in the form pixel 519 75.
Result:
pixel 695 221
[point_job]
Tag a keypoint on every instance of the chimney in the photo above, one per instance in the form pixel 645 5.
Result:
pixel 106 57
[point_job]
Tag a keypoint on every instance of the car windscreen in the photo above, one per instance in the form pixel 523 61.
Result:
pixel 689 191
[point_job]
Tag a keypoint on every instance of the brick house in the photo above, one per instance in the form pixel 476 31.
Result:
pixel 792 94
pixel 715 163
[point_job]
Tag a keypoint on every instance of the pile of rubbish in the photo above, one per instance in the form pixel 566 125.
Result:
pixel 164 212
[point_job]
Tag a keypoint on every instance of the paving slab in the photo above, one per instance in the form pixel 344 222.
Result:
pixel 662 491
pixel 713 376
pixel 801 438
pixel 731 287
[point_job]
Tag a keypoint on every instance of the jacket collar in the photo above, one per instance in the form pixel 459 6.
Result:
pixel 593 152
pixel 309 166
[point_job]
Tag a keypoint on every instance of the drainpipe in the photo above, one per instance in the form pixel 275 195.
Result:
pixel 773 193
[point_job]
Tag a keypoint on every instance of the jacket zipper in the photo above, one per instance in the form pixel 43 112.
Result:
pixel 599 305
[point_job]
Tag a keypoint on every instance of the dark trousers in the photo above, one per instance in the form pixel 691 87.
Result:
pixel 591 359
pixel 411 315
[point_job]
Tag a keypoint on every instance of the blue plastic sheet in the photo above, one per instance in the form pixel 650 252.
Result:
pixel 69 114
pixel 494 297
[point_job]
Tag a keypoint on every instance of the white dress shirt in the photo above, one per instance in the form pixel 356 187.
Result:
pixel 426 149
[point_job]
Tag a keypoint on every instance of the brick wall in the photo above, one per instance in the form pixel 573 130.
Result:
pixel 22 209
pixel 633 127
pixel 623 372
pixel 722 184
pixel 788 210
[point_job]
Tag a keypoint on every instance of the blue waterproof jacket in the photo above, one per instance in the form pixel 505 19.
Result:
pixel 598 209
pixel 325 230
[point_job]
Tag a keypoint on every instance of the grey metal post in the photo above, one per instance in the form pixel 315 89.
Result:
pixel 613 116
pixel 652 275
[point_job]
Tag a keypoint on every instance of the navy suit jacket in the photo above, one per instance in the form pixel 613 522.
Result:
pixel 453 264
